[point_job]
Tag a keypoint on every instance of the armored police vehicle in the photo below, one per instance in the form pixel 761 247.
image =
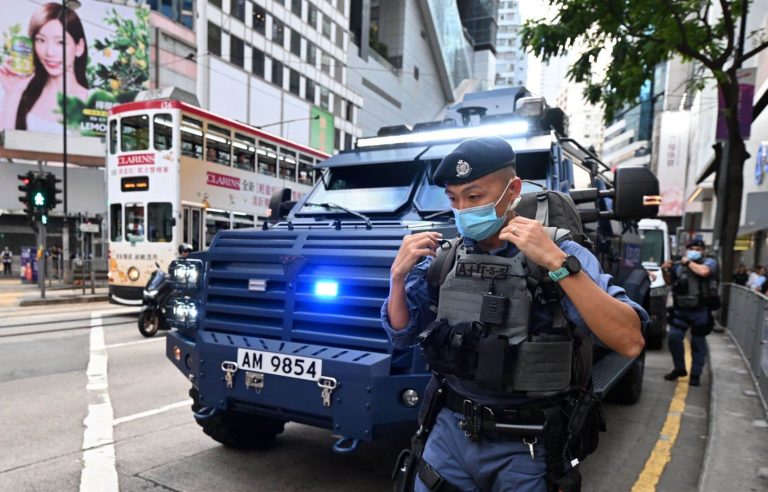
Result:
pixel 282 323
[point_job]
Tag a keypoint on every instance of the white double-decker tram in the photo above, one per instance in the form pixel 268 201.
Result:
pixel 178 174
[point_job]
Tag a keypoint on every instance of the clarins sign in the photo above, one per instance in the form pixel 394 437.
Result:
pixel 222 180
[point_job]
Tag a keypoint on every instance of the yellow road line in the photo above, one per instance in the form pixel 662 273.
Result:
pixel 662 452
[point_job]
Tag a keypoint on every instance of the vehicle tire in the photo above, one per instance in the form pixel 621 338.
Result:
pixel 149 323
pixel 628 390
pixel 238 430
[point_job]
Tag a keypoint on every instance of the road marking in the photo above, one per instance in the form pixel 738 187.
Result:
pixel 137 342
pixel 99 472
pixel 149 413
pixel 662 452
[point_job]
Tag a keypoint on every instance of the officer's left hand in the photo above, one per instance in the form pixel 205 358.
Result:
pixel 531 238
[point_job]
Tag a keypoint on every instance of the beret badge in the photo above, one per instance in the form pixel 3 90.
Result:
pixel 463 169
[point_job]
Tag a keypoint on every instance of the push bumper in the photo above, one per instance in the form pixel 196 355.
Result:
pixel 366 403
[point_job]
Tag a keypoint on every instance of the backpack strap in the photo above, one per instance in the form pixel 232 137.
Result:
pixel 542 208
pixel 440 266
pixel 550 291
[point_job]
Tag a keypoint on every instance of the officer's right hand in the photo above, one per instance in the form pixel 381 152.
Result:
pixel 414 248
pixel 666 265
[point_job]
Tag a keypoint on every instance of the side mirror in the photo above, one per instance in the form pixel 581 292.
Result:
pixel 637 193
pixel 280 205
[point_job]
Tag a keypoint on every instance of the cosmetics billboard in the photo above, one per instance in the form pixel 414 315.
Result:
pixel 107 62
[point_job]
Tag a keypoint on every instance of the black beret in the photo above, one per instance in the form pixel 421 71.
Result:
pixel 695 242
pixel 473 159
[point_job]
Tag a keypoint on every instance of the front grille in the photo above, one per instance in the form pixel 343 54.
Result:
pixel 358 260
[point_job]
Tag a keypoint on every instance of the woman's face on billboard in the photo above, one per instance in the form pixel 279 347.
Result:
pixel 48 48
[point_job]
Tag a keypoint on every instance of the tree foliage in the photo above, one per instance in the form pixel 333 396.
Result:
pixel 639 34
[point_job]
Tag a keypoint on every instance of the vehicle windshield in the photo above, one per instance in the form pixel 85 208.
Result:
pixel 653 245
pixel 369 188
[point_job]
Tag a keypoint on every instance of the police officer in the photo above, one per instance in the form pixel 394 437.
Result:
pixel 695 294
pixel 480 180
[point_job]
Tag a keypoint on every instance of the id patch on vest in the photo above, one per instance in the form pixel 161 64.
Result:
pixel 486 271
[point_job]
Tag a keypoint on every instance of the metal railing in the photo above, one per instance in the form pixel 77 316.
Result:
pixel 746 317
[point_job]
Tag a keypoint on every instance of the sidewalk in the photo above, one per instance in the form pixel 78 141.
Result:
pixel 14 293
pixel 736 457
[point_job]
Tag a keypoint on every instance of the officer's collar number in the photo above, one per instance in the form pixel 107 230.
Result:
pixel 485 271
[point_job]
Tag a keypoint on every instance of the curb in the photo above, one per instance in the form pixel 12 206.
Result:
pixel 63 300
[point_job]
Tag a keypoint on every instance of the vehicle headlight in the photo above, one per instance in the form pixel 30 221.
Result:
pixel 133 274
pixel 410 398
pixel 186 274
pixel 183 313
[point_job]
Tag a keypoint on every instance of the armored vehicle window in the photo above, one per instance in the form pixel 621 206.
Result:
pixel 431 198
pixel 368 188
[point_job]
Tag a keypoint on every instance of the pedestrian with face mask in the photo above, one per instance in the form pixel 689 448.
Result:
pixel 695 296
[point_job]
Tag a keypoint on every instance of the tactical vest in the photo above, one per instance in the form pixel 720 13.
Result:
pixel 691 291
pixel 481 333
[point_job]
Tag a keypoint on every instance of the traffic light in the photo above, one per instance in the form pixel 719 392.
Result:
pixel 25 188
pixel 38 194
pixel 53 193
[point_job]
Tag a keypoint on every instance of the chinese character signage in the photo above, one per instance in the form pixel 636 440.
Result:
pixel 107 62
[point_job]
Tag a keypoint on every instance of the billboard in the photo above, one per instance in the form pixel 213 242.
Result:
pixel 107 62
pixel 321 130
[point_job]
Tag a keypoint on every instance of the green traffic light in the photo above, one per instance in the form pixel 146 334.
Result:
pixel 44 219
pixel 39 199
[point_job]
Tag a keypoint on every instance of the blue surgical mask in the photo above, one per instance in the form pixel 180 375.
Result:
pixel 693 255
pixel 481 222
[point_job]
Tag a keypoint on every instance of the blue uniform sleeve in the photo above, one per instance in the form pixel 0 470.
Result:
pixel 712 264
pixel 417 297
pixel 591 267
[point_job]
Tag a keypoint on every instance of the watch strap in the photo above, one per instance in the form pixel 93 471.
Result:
pixel 559 274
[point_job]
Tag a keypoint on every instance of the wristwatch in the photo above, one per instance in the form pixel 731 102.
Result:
pixel 571 266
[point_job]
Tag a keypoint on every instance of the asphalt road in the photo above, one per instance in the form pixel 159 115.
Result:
pixel 157 446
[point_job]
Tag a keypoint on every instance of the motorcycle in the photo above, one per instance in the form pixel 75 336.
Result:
pixel 155 296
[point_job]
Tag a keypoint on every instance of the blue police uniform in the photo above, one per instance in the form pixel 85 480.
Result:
pixel 493 463
pixel 683 319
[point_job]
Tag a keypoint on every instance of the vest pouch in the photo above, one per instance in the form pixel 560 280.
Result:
pixel 687 302
pixel 712 302
pixel 542 366
pixel 451 349
pixel 493 352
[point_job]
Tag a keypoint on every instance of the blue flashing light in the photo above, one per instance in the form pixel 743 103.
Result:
pixel 327 289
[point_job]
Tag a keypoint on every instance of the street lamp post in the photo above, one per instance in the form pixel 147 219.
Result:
pixel 65 4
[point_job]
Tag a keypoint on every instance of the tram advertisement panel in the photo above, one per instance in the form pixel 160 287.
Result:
pixel 107 53
pixel 232 189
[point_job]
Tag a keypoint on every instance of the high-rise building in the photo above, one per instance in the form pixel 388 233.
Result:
pixel 511 58
pixel 585 121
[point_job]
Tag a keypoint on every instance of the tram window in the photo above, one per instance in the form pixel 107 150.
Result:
pixel 305 169
pixel 241 221
pixel 113 137
pixel 215 221
pixel 191 138
pixel 196 229
pixel 160 222
pixel 116 222
pixel 245 151
pixel 267 159
pixel 134 133
pixel 218 145
pixel 163 131
pixel 287 164
pixel 134 222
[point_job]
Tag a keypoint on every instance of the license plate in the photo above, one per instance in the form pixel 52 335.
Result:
pixel 280 364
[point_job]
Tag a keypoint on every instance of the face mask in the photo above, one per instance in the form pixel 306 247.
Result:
pixel 481 222
pixel 693 255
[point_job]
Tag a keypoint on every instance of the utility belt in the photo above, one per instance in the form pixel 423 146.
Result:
pixel 709 301
pixel 539 366
pixel 527 421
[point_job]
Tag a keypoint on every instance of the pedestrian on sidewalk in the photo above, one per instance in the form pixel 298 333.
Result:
pixel 7 256
pixel 694 291
pixel 757 279
pixel 741 275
